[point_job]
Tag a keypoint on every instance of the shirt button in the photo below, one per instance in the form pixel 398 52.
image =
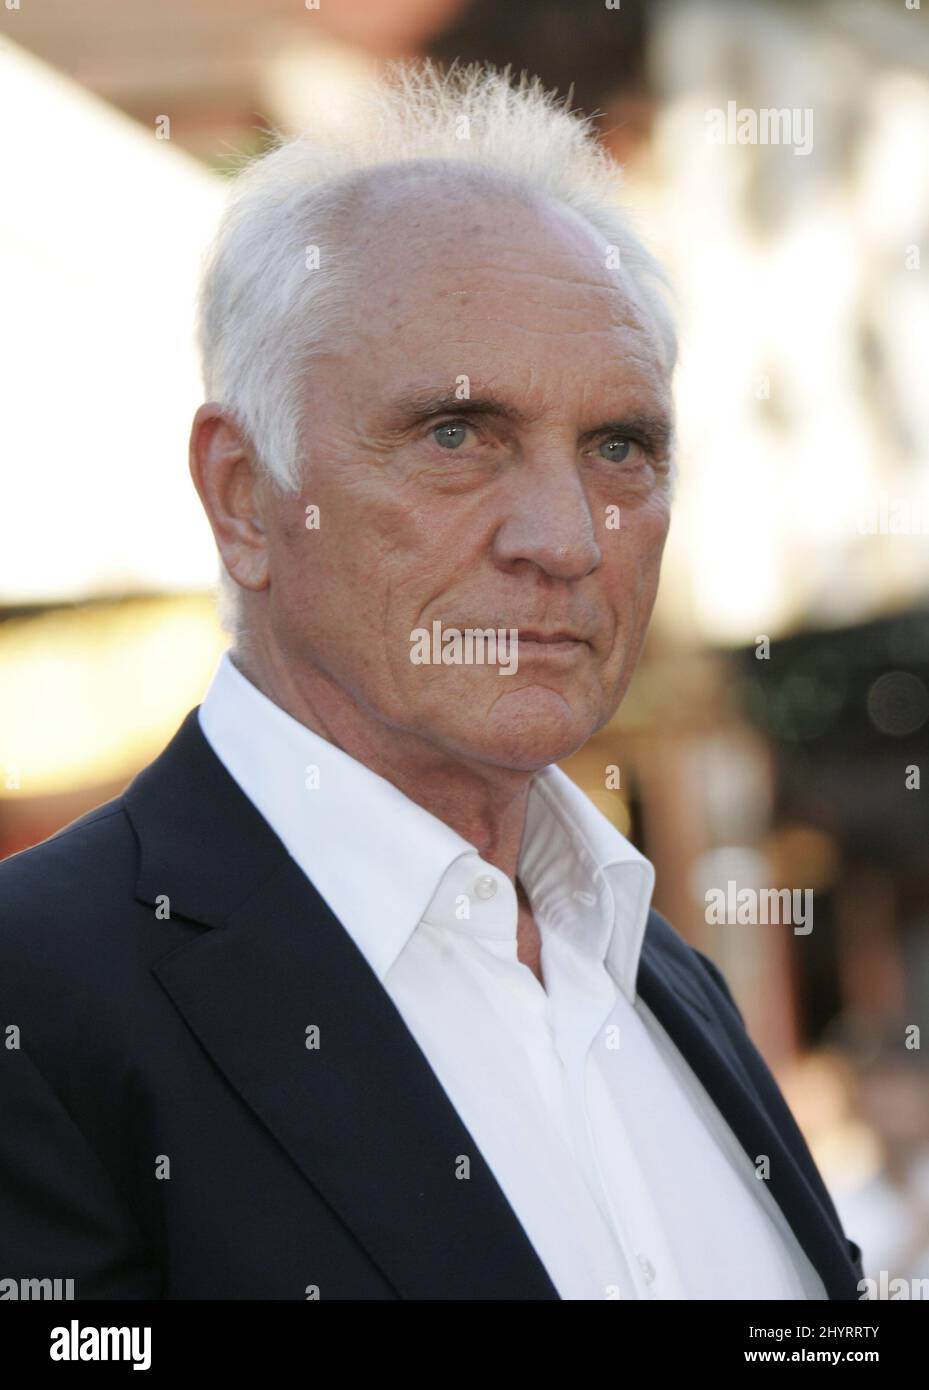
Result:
pixel 648 1269
pixel 485 887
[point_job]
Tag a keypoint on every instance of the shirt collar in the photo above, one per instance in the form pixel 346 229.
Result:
pixel 577 868
pixel 602 863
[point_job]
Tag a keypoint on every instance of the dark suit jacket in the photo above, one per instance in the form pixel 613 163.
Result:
pixel 146 1037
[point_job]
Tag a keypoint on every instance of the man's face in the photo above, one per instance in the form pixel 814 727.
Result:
pixel 498 510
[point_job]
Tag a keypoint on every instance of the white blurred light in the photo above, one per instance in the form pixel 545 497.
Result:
pixel 101 234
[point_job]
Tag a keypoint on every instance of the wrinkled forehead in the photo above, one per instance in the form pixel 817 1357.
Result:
pixel 469 245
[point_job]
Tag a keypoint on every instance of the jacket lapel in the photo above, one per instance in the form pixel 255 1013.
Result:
pixel 362 1115
pixel 701 1039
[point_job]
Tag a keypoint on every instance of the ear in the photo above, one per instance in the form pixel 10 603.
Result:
pixel 225 473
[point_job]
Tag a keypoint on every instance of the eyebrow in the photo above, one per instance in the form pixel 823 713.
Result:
pixel 417 407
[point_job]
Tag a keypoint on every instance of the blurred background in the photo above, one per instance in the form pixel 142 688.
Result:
pixel 778 727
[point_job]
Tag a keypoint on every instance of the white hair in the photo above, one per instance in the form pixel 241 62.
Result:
pixel 267 306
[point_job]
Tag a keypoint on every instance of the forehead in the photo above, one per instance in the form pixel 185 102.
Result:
pixel 466 278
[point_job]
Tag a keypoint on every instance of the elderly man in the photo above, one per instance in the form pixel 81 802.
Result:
pixel 352 994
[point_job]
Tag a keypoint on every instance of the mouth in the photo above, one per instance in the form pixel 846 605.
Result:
pixel 532 643
pixel 529 643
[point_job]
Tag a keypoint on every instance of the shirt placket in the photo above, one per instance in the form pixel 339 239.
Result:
pixel 579 1010
pixel 650 1258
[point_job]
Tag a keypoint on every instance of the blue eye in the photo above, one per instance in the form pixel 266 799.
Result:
pixel 618 447
pixel 451 434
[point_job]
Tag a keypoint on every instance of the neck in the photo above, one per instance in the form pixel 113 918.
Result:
pixel 486 805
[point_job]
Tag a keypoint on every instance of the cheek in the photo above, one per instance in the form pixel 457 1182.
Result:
pixel 421 559
pixel 632 557
pixel 652 520
pixel 361 584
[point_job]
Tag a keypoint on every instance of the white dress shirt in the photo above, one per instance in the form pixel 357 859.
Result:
pixel 623 1173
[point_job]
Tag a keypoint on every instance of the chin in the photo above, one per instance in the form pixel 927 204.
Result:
pixel 531 727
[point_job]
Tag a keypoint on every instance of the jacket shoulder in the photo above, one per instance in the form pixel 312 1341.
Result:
pixel 104 830
pixel 56 897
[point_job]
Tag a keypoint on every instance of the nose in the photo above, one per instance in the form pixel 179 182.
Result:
pixel 548 523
